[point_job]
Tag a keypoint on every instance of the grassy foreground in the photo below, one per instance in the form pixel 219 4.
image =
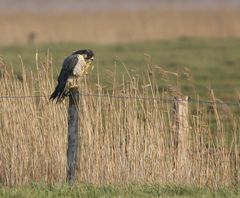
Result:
pixel 213 62
pixel 90 191
pixel 121 139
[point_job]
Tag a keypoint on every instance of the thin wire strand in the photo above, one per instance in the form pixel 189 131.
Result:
pixel 229 103
pixel 22 97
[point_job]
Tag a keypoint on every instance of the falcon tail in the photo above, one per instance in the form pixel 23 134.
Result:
pixel 59 92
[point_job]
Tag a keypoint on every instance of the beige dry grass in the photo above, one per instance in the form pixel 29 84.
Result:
pixel 118 26
pixel 122 140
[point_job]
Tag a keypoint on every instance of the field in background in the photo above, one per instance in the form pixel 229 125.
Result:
pixel 126 136
pixel 115 27
pixel 210 63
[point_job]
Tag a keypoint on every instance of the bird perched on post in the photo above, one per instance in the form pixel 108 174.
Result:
pixel 74 66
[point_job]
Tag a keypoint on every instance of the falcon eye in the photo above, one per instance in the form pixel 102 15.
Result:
pixel 85 56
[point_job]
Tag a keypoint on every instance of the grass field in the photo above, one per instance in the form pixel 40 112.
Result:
pixel 211 63
pixel 122 141
pixel 124 191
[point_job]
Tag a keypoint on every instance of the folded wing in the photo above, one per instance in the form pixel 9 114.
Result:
pixel 67 71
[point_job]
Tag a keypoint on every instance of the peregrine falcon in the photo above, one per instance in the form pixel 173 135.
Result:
pixel 74 66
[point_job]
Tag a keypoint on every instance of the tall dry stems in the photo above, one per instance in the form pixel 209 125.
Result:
pixel 126 135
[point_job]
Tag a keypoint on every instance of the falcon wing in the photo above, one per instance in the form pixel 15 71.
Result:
pixel 67 70
pixel 68 67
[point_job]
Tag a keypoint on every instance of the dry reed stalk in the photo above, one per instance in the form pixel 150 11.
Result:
pixel 122 140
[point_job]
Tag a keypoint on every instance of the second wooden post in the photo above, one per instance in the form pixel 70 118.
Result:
pixel 181 133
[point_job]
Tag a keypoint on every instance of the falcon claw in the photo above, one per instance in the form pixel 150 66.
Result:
pixel 73 87
pixel 67 93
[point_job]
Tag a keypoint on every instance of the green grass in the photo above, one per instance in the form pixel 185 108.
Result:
pixel 214 63
pixel 90 191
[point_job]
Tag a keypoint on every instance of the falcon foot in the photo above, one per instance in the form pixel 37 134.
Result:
pixel 74 87
pixel 66 93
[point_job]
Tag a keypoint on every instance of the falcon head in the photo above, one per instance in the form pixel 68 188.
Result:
pixel 87 54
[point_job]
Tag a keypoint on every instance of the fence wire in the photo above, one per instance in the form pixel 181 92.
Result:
pixel 123 97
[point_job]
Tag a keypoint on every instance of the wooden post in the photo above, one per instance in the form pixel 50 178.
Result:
pixel 73 120
pixel 181 138
pixel 234 167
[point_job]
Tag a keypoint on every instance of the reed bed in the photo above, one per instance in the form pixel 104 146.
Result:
pixel 126 134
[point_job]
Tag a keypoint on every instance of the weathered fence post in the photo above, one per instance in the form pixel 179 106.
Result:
pixel 73 120
pixel 181 138
pixel 233 158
